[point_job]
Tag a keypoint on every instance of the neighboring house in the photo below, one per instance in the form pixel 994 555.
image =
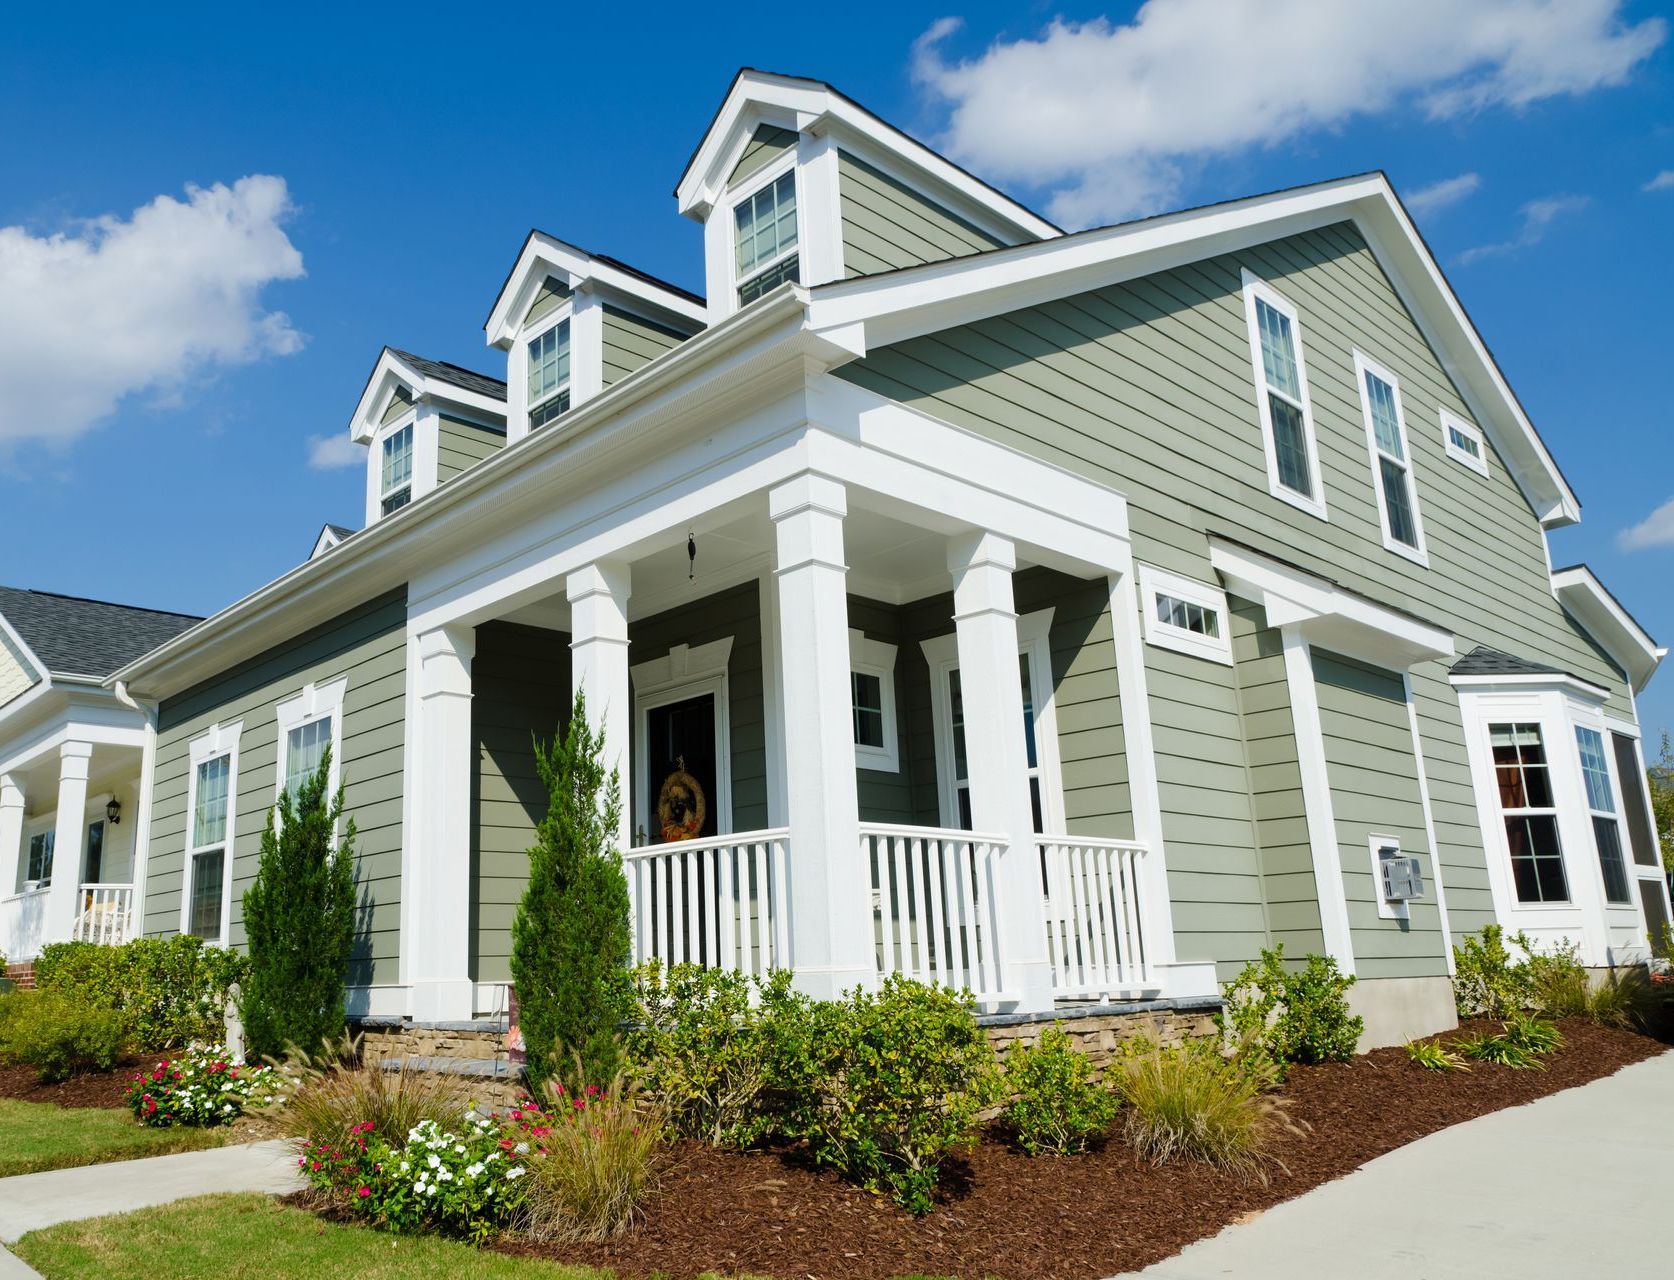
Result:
pixel 1068 617
pixel 73 751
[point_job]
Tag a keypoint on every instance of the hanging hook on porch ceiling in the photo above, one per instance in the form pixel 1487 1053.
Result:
pixel 691 556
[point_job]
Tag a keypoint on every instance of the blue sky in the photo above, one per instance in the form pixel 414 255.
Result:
pixel 155 438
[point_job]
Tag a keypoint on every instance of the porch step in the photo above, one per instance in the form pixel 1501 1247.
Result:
pixel 21 976
pixel 476 1068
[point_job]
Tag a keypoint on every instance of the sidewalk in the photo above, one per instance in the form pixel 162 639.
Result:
pixel 37 1200
pixel 1573 1185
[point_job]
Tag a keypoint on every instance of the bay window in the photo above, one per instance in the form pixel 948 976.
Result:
pixel 1523 775
pixel 1601 807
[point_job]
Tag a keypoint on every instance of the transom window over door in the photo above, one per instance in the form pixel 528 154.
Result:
pixel 1386 437
pixel 1523 776
pixel 549 374
pixel 1282 395
pixel 396 478
pixel 1601 803
pixel 766 242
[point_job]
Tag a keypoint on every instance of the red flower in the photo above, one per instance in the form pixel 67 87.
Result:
pixel 364 1192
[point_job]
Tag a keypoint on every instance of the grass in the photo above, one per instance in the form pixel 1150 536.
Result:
pixel 35 1136
pixel 1187 1102
pixel 250 1237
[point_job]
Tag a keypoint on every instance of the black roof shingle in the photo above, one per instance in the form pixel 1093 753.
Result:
pixel 453 374
pixel 73 636
pixel 1483 661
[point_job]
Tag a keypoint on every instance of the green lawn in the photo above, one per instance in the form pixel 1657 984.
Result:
pixel 41 1135
pixel 250 1237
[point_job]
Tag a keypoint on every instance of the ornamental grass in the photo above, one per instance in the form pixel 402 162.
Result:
pixel 338 1094
pixel 1186 1102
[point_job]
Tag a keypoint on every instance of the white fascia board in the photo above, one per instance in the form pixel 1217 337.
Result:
pixel 711 368
pixel 1534 682
pixel 805 105
pixel 325 542
pixel 1579 590
pixel 908 303
pixel 1327 615
pixel 392 371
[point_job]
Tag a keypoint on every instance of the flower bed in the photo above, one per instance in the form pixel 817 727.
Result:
pixel 202 1087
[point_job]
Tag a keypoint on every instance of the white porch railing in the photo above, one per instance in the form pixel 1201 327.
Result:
pixel 22 923
pixel 106 916
pixel 1095 922
pixel 934 906
pixel 719 902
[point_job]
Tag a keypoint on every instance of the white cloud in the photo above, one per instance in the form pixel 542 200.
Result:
pixel 328 453
pixel 1664 181
pixel 1441 195
pixel 1114 117
pixel 113 307
pixel 1537 219
pixel 1655 530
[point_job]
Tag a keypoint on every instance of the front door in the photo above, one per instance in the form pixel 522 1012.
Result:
pixel 680 760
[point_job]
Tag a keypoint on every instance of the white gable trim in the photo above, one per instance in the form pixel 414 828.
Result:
pixel 392 371
pixel 1579 590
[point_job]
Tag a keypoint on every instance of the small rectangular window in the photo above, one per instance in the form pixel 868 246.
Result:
pixel 872 703
pixel 1601 802
pixel 766 239
pixel 40 856
pixel 1386 438
pixel 396 484
pixel 1523 776
pixel 549 374
pixel 1463 442
pixel 305 746
pixel 867 696
pixel 1183 614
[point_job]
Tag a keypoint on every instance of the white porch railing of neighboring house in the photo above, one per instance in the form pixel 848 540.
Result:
pixel 934 906
pixel 106 916
pixel 22 924
pixel 719 902
pixel 1095 920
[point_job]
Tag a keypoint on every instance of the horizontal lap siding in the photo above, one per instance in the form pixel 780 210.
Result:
pixel 1147 386
pixel 366 645
pixel 766 145
pixel 631 341
pixel 887 224
pixel 461 445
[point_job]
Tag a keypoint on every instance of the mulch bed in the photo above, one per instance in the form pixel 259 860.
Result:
pixel 1080 1217
pixel 96 1089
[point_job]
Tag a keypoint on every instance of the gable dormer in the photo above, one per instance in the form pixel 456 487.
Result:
pixel 423 422
pixel 794 181
pixel 572 323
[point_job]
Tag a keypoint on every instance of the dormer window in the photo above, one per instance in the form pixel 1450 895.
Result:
pixel 549 374
pixel 766 238
pixel 396 483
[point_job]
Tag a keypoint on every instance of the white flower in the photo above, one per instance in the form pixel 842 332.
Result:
pixel 430 1190
pixel 515 1172
pixel 435 1161
pixel 522 1148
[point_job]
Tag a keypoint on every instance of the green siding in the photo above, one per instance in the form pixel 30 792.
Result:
pixel 400 401
pixel 367 645
pixel 631 341
pixel 1374 788
pixel 886 224
pixel 1147 386
pixel 766 145
pixel 552 294
pixel 462 444
pixel 884 796
pixel 520 691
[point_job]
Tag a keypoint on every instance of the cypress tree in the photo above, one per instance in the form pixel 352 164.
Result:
pixel 299 916
pixel 570 941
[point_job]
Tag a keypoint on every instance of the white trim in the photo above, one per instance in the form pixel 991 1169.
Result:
pixel 1617 815
pixel 315 702
pixel 1314 502
pixel 1429 820
pixel 871 657
pixel 1387 910
pixel 1166 635
pixel 216 741
pixel 1451 422
pixel 727 213
pixel 822 256
pixel 686 671
pixel 391 370
pixel 1364 364
pixel 1579 590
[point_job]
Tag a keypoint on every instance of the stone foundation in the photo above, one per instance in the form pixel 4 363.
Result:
pixel 483 1040
pixel 1098 1030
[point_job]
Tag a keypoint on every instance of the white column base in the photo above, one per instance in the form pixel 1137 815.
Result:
pixel 443 1000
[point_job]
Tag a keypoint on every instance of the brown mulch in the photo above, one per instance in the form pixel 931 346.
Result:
pixel 95 1089
pixel 1079 1217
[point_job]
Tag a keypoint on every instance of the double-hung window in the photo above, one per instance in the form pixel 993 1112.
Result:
pixel 1524 779
pixel 40 856
pixel 765 238
pixel 1386 438
pixel 207 856
pixel 1282 395
pixel 549 374
pixel 1601 804
pixel 872 703
pixel 305 747
pixel 395 488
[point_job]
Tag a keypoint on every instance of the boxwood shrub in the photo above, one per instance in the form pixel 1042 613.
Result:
pixel 166 991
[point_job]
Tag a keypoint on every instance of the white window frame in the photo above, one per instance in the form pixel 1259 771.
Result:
pixel 406 422
pixel 1451 422
pixel 46 827
pixel 686 671
pixel 1314 504
pixel 1033 643
pixel 1165 635
pixel 218 740
pixel 745 190
pixel 315 702
pixel 1619 816
pixel 562 314
pixel 869 657
pixel 1363 365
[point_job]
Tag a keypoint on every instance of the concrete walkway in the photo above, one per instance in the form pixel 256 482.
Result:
pixel 1573 1185
pixel 37 1200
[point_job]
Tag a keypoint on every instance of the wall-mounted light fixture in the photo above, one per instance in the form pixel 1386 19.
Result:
pixel 113 811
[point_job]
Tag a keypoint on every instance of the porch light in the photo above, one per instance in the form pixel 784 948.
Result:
pixel 113 811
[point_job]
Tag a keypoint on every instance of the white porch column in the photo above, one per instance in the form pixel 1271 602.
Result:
pixel 64 898
pixel 830 899
pixel 440 966
pixel 598 598
pixel 996 758
pixel 11 834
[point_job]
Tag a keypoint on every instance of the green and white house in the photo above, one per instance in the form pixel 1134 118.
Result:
pixel 1068 617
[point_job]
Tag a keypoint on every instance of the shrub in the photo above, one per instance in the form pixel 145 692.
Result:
pixel 1556 980
pixel 1057 1108
pixel 1279 1015
pixel 1487 980
pixel 202 1087
pixel 708 1044
pixel 1188 1102
pixel 58 1036
pixel 1624 999
pixel 570 942
pixel 168 991
pixel 1519 1044
pixel 593 1159
pixel 299 916
pixel 886 1085
pixel 336 1096
pixel 1432 1055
